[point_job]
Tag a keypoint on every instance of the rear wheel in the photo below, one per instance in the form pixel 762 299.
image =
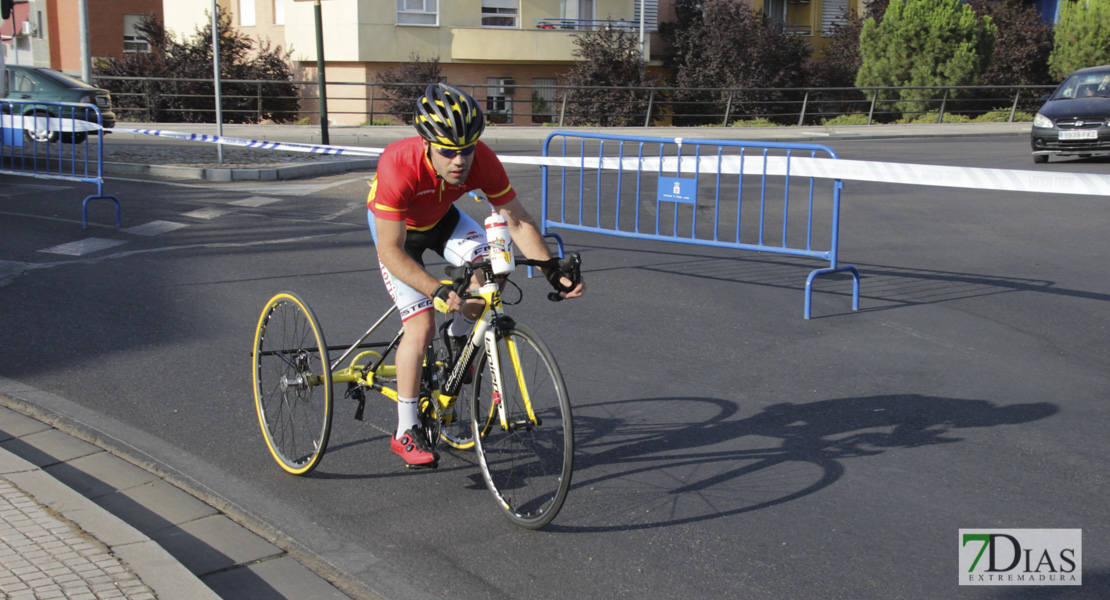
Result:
pixel 292 383
pixel 527 462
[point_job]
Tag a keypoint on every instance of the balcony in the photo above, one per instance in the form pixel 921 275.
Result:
pixel 551 41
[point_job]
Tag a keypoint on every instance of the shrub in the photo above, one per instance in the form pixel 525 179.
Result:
pixel 608 80
pixel 853 119
pixel 407 82
pixel 1082 37
pixel 162 99
pixel 924 43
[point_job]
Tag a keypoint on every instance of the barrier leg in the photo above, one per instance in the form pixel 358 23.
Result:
pixel 85 209
pixel 813 275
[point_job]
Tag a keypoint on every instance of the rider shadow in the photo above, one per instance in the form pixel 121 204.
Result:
pixel 641 475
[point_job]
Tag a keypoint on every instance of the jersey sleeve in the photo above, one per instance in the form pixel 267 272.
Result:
pixel 495 182
pixel 386 199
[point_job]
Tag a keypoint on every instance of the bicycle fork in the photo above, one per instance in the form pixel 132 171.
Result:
pixel 494 355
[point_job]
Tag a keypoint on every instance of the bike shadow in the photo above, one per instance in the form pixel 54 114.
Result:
pixel 640 474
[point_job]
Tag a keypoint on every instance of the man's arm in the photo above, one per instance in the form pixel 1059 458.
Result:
pixel 526 236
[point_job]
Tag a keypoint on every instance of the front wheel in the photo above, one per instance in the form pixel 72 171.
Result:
pixel 527 460
pixel 292 383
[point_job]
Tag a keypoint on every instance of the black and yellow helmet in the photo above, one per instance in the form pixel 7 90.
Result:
pixel 448 116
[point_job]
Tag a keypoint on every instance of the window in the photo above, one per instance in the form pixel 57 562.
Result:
pixel 543 100
pixel 499 13
pixel 499 102
pixel 131 40
pixel 833 12
pixel 246 13
pixel 651 14
pixel 417 12
pixel 279 12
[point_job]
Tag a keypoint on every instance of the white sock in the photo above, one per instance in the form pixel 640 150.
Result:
pixel 407 415
pixel 460 326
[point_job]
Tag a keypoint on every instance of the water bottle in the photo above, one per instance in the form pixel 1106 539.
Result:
pixel 497 237
pixel 500 244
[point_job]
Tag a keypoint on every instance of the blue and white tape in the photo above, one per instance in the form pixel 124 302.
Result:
pixel 1010 180
pixel 34 122
pixel 259 144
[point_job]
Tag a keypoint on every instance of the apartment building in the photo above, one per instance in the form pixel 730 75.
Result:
pixel 507 49
pixel 46 33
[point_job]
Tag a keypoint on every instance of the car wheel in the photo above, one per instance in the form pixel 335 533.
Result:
pixel 41 136
pixel 1040 158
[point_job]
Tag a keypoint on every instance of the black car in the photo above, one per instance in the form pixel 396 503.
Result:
pixel 1073 120
pixel 31 84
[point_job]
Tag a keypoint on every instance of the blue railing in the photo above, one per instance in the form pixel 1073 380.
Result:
pixel 55 140
pixel 742 195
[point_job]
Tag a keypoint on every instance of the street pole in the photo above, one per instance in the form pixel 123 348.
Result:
pixel 83 25
pixel 216 78
pixel 323 84
pixel 643 51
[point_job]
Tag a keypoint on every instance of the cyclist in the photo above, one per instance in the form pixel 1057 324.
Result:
pixel 410 210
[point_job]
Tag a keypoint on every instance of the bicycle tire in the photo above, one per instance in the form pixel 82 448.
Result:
pixel 292 383
pixel 527 467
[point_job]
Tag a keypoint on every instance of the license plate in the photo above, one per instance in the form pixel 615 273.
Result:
pixel 1081 134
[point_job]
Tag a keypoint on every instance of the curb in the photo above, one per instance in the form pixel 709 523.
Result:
pixel 164 574
pixel 220 174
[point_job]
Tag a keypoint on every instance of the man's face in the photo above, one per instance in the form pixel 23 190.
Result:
pixel 453 170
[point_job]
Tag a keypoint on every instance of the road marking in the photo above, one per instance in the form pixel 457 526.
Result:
pixel 20 189
pixel 83 247
pixel 255 201
pixel 155 228
pixel 207 213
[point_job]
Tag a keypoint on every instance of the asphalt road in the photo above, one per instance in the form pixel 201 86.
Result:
pixel 725 446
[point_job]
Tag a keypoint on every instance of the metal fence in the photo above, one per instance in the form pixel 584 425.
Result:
pixel 725 194
pixel 189 100
pixel 55 140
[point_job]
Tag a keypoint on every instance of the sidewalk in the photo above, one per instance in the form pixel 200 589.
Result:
pixel 78 522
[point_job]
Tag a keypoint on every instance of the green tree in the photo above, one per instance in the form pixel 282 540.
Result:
pixel 161 94
pixel 924 43
pixel 407 82
pixel 1082 36
pixel 608 79
pixel 724 44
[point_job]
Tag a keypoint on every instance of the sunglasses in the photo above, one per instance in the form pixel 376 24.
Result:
pixel 453 152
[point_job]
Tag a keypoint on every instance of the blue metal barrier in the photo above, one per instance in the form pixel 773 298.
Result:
pixel 55 140
pixel 642 187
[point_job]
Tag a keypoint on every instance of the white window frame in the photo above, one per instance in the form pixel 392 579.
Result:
pixel 131 40
pixel 279 12
pixel 417 12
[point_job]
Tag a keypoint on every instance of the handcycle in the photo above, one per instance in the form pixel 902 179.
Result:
pixel 503 395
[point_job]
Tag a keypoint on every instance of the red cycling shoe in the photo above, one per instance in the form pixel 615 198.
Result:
pixel 413 448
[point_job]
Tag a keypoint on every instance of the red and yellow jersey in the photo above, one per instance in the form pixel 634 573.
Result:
pixel 405 187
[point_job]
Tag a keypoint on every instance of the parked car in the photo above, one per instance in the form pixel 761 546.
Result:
pixel 1073 120
pixel 48 85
